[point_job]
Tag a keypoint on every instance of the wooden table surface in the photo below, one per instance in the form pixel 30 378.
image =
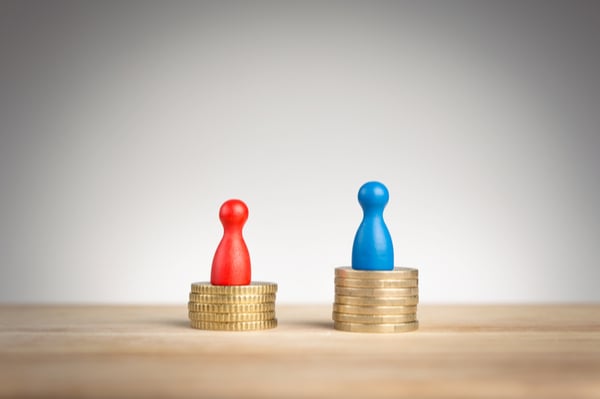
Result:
pixel 149 351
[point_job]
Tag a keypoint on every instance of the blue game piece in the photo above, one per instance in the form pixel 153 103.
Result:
pixel 373 248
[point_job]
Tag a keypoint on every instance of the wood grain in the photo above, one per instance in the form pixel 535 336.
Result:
pixel 146 352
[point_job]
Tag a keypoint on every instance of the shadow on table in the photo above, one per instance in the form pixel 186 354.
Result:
pixel 179 323
pixel 183 322
pixel 312 324
pixel 307 324
pixel 160 323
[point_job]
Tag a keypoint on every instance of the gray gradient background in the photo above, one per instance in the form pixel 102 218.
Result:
pixel 124 126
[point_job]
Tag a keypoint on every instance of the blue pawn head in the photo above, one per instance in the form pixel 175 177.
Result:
pixel 373 248
pixel 373 196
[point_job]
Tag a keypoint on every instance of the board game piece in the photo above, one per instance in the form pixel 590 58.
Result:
pixel 231 263
pixel 373 248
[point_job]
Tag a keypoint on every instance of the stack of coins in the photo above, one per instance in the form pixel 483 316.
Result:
pixel 232 307
pixel 376 301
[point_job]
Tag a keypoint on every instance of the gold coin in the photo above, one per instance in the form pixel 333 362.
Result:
pixel 206 298
pixel 231 307
pixel 234 326
pixel 254 288
pixel 377 292
pixel 370 283
pixel 397 273
pixel 376 328
pixel 231 317
pixel 373 319
pixel 374 310
pixel 374 301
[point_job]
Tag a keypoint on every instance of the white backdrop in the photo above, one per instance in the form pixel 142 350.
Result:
pixel 124 127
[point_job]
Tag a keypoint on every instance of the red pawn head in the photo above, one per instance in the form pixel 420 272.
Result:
pixel 231 264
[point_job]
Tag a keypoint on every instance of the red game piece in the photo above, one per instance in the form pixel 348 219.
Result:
pixel 231 264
